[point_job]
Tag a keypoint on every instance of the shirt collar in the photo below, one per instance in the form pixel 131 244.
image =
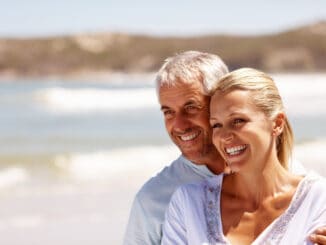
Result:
pixel 201 168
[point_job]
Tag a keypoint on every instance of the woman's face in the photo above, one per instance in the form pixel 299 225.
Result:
pixel 241 132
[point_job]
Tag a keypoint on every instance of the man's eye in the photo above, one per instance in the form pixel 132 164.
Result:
pixel 192 109
pixel 238 121
pixel 168 113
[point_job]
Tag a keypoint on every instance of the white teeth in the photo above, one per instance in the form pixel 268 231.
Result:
pixel 188 137
pixel 235 150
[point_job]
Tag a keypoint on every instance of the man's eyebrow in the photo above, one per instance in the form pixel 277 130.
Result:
pixel 191 101
pixel 164 107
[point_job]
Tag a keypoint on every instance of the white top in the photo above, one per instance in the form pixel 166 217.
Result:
pixel 193 215
pixel 149 206
pixel 147 212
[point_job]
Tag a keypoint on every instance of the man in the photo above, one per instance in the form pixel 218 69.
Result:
pixel 183 84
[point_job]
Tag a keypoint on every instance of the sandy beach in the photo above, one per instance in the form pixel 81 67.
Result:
pixel 87 211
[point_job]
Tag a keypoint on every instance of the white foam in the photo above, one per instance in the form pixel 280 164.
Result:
pixel 12 176
pixel 312 155
pixel 26 221
pixel 102 165
pixel 85 100
pixel 303 94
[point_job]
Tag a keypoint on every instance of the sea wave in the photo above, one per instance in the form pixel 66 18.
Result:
pixel 303 94
pixel 103 165
pixel 12 176
pixel 139 162
pixel 85 100
pixel 312 155
pixel 149 160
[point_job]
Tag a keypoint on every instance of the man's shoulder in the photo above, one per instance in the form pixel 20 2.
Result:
pixel 167 177
pixel 159 189
pixel 211 184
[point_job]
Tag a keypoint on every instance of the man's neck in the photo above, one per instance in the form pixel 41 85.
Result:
pixel 213 162
pixel 216 166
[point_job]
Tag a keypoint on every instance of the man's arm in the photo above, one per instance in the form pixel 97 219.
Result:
pixel 139 231
pixel 174 231
pixel 319 237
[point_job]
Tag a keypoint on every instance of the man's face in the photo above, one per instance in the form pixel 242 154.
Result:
pixel 186 116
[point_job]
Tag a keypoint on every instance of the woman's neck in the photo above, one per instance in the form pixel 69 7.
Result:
pixel 255 185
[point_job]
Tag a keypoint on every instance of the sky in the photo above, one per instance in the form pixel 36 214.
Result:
pixel 25 18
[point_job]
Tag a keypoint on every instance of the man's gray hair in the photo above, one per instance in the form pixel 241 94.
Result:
pixel 191 67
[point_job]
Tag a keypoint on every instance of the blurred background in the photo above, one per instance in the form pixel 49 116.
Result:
pixel 80 125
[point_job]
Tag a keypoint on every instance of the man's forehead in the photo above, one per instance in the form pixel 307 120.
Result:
pixel 181 103
pixel 182 87
pixel 175 100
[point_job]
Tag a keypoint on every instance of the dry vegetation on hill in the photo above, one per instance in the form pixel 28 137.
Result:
pixel 302 49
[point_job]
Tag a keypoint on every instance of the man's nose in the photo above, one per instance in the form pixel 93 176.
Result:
pixel 181 122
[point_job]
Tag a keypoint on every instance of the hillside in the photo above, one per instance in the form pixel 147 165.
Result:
pixel 302 49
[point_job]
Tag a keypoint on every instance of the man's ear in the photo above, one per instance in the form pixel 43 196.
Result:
pixel 278 124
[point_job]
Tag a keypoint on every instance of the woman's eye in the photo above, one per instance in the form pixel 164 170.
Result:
pixel 216 125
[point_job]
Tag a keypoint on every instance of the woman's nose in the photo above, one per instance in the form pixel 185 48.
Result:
pixel 226 136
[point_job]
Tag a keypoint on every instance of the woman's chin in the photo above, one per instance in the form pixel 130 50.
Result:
pixel 234 167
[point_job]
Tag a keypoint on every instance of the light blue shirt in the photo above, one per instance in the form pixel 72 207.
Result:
pixel 149 206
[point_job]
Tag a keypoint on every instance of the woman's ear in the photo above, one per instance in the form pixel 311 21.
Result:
pixel 278 124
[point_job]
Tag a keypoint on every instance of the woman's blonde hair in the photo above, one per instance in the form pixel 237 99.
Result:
pixel 266 97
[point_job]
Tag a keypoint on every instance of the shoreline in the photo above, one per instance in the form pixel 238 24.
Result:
pixel 81 76
pixel 108 76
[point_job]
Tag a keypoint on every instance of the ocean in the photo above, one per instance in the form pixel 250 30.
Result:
pixel 74 153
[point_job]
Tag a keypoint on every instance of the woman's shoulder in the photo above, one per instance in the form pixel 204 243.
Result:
pixel 316 185
pixel 314 179
pixel 319 182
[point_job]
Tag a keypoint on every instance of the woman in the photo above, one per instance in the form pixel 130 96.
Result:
pixel 260 202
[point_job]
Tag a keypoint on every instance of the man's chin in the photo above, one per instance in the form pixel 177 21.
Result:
pixel 193 156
